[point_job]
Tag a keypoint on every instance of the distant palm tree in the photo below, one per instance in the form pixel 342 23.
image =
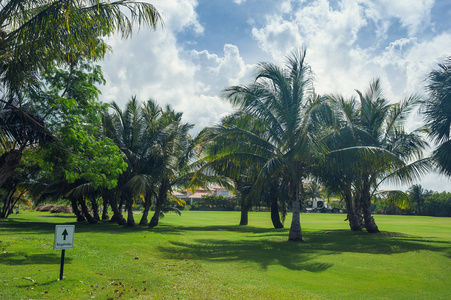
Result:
pixel 416 194
pixel 437 111
pixel 313 191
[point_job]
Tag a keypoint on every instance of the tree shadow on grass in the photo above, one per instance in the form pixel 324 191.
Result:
pixel 298 256
pixel 21 258
pixel 21 227
pixel 263 252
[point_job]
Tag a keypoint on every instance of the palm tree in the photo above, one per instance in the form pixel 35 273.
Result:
pixel 127 130
pixel 175 155
pixel 377 149
pixel 36 33
pixel 416 194
pixel 437 113
pixel 220 150
pixel 283 99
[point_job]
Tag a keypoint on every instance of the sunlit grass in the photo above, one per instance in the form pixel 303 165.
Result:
pixel 205 255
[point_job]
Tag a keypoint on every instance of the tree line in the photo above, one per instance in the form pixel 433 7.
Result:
pixel 60 142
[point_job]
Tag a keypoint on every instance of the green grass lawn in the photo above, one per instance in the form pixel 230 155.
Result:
pixel 205 255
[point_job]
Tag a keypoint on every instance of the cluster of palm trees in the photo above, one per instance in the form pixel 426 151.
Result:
pixel 158 149
pixel 284 135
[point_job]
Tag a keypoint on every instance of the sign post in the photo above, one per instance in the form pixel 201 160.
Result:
pixel 64 239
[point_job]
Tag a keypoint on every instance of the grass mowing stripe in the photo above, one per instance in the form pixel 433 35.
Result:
pixel 206 255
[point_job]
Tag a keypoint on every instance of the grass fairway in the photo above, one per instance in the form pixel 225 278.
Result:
pixel 205 255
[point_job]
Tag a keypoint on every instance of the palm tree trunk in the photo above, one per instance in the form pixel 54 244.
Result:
pixel 295 234
pixel 9 161
pixel 95 209
pixel 245 207
pixel 161 199
pixel 244 215
pixel 86 213
pixel 354 217
pixel 147 205
pixel 76 211
pixel 155 218
pixel 130 218
pixel 275 216
pixel 117 214
pixel 370 224
pixel 105 215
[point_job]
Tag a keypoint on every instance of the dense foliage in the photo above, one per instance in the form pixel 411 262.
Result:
pixel 58 142
pixel 421 202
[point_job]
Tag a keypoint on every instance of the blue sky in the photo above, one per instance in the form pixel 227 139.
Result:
pixel 207 45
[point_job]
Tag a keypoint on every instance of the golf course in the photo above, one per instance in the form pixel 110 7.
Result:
pixel 206 255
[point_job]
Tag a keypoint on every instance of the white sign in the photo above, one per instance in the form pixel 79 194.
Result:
pixel 64 237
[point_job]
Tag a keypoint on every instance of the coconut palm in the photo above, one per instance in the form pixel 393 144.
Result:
pixel 376 147
pixel 417 195
pixel 35 33
pixel 220 150
pixel 283 99
pixel 127 130
pixel 437 113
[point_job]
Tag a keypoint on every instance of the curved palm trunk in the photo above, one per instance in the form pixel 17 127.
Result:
pixel 162 195
pixel 86 213
pixel 275 216
pixel 76 211
pixel 95 209
pixel 117 214
pixel 295 234
pixel 117 217
pixel 155 218
pixel 147 205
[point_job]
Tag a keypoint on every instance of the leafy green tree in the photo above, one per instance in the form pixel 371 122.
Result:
pixel 283 98
pixel 81 161
pixel 437 113
pixel 34 36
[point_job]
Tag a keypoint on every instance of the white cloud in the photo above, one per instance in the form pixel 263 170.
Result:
pixel 331 36
pixel 153 65
pixel 413 15
pixel 348 44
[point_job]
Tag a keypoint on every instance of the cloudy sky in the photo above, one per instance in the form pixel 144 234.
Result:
pixel 206 45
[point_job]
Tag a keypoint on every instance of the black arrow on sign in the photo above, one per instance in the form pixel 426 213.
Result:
pixel 65 234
